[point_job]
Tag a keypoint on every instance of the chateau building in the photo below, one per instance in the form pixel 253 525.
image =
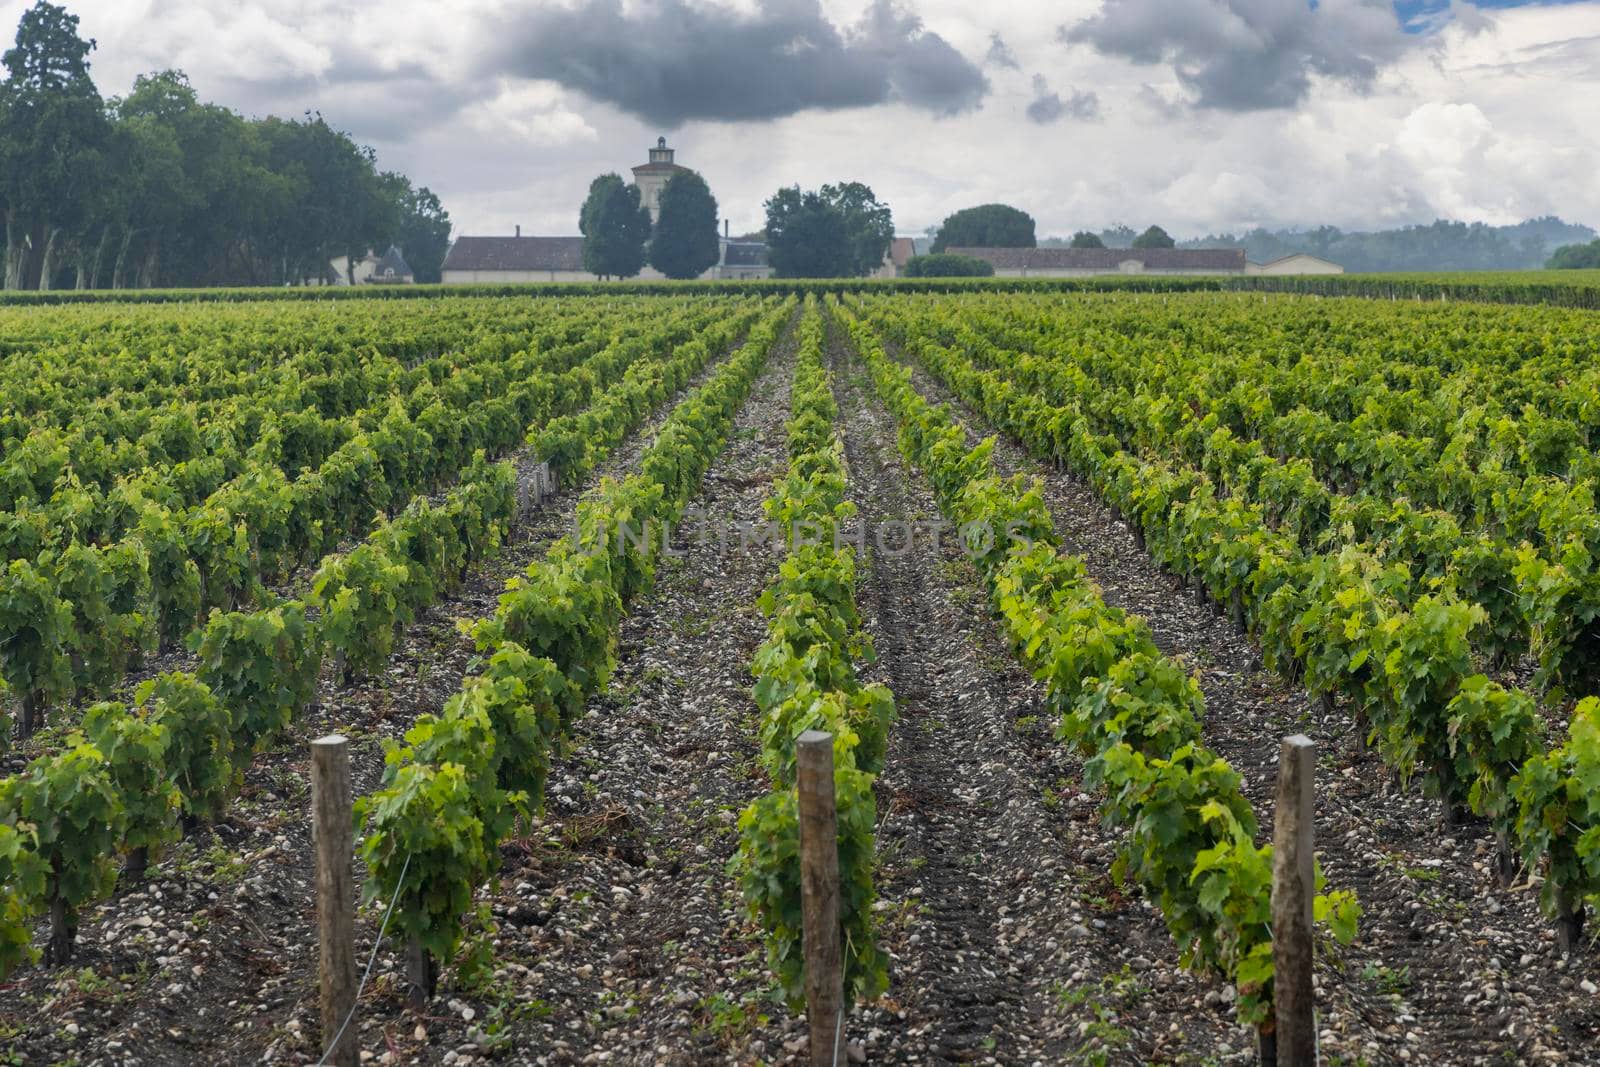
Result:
pixel 560 259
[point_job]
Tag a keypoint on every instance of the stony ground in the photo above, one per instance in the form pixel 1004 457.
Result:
pixel 617 935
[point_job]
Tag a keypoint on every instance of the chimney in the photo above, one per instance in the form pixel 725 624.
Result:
pixel 519 229
pixel 727 232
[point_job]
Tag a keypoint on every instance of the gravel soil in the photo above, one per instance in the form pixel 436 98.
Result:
pixel 1448 968
pixel 212 959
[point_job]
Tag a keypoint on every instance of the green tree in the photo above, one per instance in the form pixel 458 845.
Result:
pixel 53 133
pixel 1154 237
pixel 986 226
pixel 1118 236
pixel 1576 257
pixel 423 229
pixel 1085 239
pixel 339 208
pixel 869 225
pixel 807 236
pixel 685 243
pixel 615 227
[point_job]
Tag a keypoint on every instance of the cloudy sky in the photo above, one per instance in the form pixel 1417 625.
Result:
pixel 1201 115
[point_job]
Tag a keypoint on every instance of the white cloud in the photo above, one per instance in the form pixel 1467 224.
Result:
pixel 1489 117
pixel 536 113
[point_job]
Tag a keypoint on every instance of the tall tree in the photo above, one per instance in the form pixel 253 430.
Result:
pixel 53 133
pixel 423 233
pixel 684 244
pixel 986 226
pixel 1085 239
pixel 868 223
pixel 1118 235
pixel 1154 237
pixel 615 228
pixel 339 209
pixel 807 236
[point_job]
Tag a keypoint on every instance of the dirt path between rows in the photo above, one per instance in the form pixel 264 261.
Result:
pixel 1009 942
pixel 622 925
pixel 1447 969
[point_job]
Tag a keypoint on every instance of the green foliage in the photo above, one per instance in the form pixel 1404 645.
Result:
pixel 360 598
pixel 135 750
pixel 199 757
pixel 521 694
pixel 1493 733
pixel 1154 237
pixel 615 228
pixel 262 666
pixel 946 265
pixel 71 803
pixel 684 243
pixel 986 226
pixel 425 849
pixel 22 888
pixel 1576 257
pixel 112 618
pixel 840 231
pixel 806 680
pixel 768 869
pixel 35 634
pixel 1557 795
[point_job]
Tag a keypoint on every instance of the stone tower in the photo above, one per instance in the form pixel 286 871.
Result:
pixel 652 177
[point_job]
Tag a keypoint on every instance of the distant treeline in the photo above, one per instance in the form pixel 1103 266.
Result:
pixel 158 188
pixel 1440 245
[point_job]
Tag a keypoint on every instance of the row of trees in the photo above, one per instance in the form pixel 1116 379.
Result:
pixel 158 188
pixel 1003 226
pixel 1441 245
pixel 838 231
pixel 618 239
pixel 833 232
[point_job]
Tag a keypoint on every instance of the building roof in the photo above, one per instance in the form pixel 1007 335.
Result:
pixel 392 260
pixel 744 254
pixel 1298 255
pixel 1108 259
pixel 659 168
pixel 901 249
pixel 515 253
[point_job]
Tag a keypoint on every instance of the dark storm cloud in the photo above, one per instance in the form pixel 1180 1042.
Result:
pixel 1000 54
pixel 1246 55
pixel 1048 107
pixel 672 61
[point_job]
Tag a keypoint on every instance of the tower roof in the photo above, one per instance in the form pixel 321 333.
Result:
pixel 660 160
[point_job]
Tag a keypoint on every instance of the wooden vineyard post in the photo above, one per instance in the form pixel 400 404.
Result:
pixel 819 896
pixel 333 838
pixel 1293 888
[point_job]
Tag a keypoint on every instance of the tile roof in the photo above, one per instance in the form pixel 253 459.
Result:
pixel 902 249
pixel 515 253
pixel 392 260
pixel 1108 259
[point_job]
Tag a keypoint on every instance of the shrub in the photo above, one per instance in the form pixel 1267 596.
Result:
pixel 948 265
